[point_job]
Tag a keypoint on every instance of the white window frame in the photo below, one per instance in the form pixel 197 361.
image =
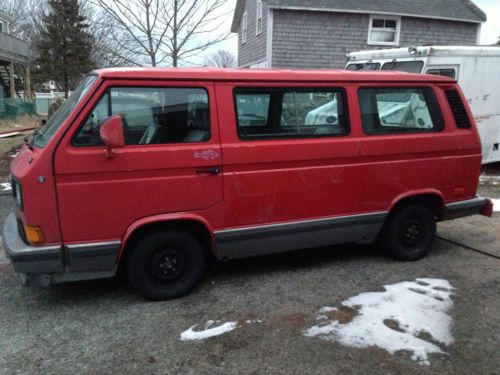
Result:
pixel 258 22
pixel 384 17
pixel 244 28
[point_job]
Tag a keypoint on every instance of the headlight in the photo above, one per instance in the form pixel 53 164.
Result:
pixel 17 193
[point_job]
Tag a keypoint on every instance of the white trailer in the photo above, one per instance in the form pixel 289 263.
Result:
pixel 477 70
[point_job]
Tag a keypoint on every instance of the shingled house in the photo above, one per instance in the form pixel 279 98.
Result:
pixel 318 33
pixel 15 56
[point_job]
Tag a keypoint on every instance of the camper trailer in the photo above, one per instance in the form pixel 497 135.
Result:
pixel 475 68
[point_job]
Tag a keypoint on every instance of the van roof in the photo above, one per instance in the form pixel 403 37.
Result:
pixel 267 75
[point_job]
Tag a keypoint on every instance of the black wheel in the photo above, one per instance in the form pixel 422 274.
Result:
pixel 166 264
pixel 409 233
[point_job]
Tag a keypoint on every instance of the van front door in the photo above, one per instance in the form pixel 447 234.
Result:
pixel 171 161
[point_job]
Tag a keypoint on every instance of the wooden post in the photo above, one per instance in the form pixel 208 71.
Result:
pixel 12 82
pixel 27 84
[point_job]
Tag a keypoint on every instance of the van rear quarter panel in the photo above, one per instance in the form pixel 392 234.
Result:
pixel 268 181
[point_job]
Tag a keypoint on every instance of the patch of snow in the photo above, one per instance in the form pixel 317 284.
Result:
pixel 6 186
pixel 411 308
pixel 487 178
pixel 254 321
pixel 211 328
pixel 496 205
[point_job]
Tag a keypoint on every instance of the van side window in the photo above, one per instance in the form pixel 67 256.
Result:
pixel 271 113
pixel 399 110
pixel 151 116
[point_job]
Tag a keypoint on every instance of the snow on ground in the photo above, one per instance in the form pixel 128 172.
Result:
pixel 496 205
pixel 404 317
pixel 6 186
pixel 212 328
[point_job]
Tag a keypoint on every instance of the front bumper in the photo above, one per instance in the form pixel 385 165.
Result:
pixel 30 259
pixel 475 206
pixel 44 265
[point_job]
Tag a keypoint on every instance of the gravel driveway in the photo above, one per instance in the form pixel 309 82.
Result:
pixel 102 327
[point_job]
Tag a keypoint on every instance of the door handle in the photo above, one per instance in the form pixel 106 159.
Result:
pixel 213 170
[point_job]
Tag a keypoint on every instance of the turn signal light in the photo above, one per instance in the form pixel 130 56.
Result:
pixel 34 235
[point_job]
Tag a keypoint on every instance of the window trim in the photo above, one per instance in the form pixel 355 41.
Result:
pixel 107 91
pixel 274 137
pixel 434 111
pixel 371 42
pixel 244 28
pixel 259 17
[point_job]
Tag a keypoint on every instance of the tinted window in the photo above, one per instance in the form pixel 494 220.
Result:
pixel 404 66
pixel 282 113
pixel 151 116
pixel 399 110
pixel 443 72
pixel 364 66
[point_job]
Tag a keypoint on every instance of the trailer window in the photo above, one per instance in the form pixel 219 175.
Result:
pixel 399 110
pixel 364 66
pixel 272 113
pixel 404 66
pixel 443 72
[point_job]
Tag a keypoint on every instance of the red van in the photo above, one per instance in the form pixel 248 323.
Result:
pixel 154 169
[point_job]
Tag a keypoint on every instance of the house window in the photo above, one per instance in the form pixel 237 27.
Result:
pixel 259 17
pixel 384 30
pixel 1 27
pixel 244 28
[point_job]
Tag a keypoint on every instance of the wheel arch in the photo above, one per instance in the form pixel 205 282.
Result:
pixel 429 197
pixel 193 223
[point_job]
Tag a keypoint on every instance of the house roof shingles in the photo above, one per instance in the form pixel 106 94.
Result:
pixel 464 10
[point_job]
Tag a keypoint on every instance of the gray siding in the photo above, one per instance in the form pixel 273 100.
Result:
pixel 255 49
pixel 320 40
pixel 316 40
pixel 419 31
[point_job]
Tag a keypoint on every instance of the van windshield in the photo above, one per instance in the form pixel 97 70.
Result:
pixel 46 132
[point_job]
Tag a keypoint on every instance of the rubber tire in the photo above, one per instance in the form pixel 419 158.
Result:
pixel 141 256
pixel 391 236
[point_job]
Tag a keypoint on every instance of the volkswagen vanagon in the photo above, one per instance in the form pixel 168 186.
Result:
pixel 151 170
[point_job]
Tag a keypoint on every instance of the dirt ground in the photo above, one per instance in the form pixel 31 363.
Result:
pixel 102 327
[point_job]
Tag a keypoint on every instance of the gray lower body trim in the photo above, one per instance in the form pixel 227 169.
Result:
pixel 469 207
pixel 95 257
pixel 277 238
pixel 58 263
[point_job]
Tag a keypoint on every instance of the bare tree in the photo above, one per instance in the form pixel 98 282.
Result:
pixel 140 27
pixel 159 32
pixel 27 15
pixel 108 38
pixel 221 59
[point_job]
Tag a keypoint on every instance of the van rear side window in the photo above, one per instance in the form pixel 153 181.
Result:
pixel 271 113
pixel 399 110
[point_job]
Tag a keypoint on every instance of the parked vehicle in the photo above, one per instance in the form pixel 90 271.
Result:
pixel 151 170
pixel 475 69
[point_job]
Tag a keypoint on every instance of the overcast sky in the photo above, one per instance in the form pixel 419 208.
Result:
pixel 489 33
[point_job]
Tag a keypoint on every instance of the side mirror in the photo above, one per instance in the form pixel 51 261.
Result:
pixel 112 136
